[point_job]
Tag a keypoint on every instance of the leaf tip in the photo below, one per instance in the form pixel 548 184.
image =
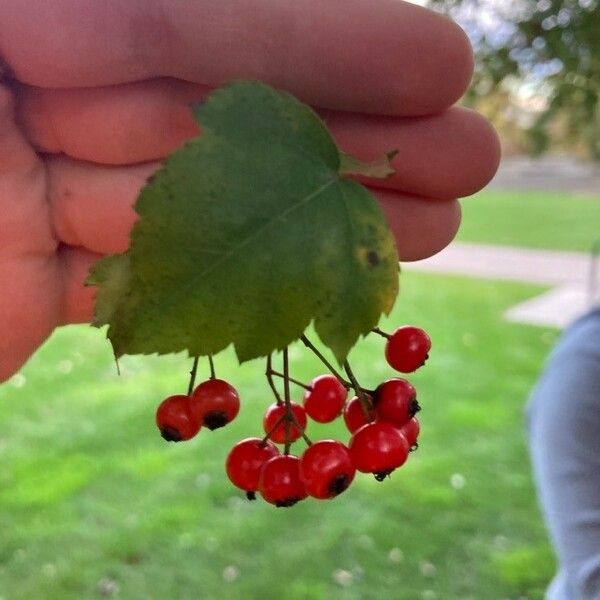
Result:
pixel 392 154
pixel 380 168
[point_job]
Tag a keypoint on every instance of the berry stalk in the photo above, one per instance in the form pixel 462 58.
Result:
pixel 269 374
pixel 287 400
pixel 193 376
pixel 363 398
pixel 268 434
pixel 292 380
pixel 381 333
pixel 320 356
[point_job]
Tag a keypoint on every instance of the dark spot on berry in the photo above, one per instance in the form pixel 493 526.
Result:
pixel 251 495
pixel 381 475
pixel 170 434
pixel 337 485
pixel 150 180
pixel 215 419
pixel 373 258
pixel 287 502
pixel 414 447
pixel 414 408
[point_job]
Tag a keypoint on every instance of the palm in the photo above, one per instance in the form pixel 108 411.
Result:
pixel 100 115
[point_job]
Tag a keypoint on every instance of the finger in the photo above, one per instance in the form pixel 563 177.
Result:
pixel 449 155
pixel 384 56
pixel 422 227
pixel 92 208
pixel 131 123
pixel 24 228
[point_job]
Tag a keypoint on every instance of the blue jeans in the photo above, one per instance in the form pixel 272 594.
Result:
pixel 563 418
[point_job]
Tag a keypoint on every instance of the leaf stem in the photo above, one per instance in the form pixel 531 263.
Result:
pixel 320 356
pixel 193 376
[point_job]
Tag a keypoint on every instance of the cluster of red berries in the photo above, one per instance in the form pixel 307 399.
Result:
pixel 382 424
pixel 213 404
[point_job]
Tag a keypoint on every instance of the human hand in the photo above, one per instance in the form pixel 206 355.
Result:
pixel 99 92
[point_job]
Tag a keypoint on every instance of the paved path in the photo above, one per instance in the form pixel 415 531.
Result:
pixel 552 173
pixel 567 272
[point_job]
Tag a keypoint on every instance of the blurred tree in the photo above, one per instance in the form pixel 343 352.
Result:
pixel 545 55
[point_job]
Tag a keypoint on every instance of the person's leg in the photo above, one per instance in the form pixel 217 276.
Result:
pixel 564 433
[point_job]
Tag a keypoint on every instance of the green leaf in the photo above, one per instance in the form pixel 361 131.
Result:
pixel 248 234
pixel 112 275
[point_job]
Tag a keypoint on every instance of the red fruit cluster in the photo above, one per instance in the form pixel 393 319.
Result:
pixel 213 404
pixel 382 424
pixel 324 470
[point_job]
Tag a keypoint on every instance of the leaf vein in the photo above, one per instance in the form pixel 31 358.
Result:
pixel 234 250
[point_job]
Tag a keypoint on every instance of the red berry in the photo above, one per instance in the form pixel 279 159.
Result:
pixel 354 415
pixel 215 403
pixel 325 399
pixel 396 401
pixel 175 419
pixel 245 461
pixel 276 412
pixel 326 469
pixel 378 448
pixel 279 481
pixel 407 349
pixel 411 431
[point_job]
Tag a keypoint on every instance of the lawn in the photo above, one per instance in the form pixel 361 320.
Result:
pixel 556 221
pixel 93 503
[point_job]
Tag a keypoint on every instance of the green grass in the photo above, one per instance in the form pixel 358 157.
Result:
pixel 91 497
pixel 556 221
